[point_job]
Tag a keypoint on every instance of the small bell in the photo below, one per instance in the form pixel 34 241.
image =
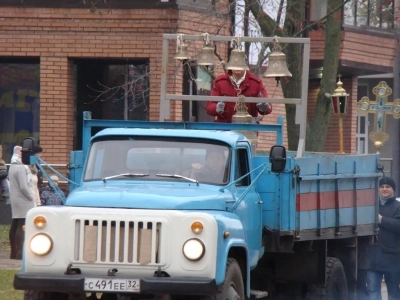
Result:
pixel 181 49
pixel 277 63
pixel 206 56
pixel 237 61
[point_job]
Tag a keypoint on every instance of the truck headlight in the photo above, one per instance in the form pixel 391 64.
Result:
pixel 193 249
pixel 41 244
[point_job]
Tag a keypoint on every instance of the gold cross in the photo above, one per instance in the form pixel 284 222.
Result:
pixel 380 108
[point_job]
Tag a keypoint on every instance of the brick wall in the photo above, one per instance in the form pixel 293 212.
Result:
pixel 358 47
pixel 58 36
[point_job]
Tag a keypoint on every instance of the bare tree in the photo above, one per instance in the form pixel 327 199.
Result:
pixel 294 26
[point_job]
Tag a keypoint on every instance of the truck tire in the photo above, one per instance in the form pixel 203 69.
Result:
pixel 232 288
pixel 336 284
pixel 36 295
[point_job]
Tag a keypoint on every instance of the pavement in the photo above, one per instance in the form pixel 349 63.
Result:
pixel 8 264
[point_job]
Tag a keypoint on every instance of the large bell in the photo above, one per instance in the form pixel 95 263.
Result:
pixel 206 56
pixel 182 52
pixel 237 61
pixel 277 66
pixel 277 63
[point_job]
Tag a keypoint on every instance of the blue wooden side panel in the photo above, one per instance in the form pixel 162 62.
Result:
pixel 278 195
pixel 339 182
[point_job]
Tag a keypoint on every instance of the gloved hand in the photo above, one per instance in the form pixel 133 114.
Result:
pixel 263 107
pixel 220 107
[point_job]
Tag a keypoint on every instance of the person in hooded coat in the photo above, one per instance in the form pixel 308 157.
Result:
pixel 384 256
pixel 22 200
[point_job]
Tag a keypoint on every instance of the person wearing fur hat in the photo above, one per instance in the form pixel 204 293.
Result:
pixel 22 200
pixel 384 255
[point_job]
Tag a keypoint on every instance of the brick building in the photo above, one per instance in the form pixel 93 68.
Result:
pixel 68 51
pixel 57 59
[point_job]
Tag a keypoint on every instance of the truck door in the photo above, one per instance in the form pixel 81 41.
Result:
pixel 250 209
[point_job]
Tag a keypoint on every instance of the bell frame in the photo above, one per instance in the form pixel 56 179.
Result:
pixel 301 103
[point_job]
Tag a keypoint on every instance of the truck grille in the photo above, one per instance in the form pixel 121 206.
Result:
pixel 122 241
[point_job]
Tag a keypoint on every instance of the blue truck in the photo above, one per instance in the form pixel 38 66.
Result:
pixel 150 217
pixel 185 210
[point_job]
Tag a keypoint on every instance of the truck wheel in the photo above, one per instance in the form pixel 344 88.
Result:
pixel 336 284
pixel 39 295
pixel 36 295
pixel 232 288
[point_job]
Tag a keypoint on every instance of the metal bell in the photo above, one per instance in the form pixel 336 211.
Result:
pixel 277 66
pixel 181 52
pixel 206 56
pixel 237 61
pixel 277 63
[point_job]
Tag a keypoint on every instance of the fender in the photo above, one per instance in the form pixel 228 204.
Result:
pixel 228 222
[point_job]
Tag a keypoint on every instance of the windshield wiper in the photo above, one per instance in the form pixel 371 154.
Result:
pixel 178 176
pixel 125 175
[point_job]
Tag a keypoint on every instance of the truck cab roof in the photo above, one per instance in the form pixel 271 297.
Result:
pixel 228 137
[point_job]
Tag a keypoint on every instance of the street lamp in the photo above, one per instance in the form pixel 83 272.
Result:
pixel 339 103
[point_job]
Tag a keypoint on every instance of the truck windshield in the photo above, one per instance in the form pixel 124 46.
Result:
pixel 201 161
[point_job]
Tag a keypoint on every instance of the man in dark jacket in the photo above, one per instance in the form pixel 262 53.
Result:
pixel 384 256
pixel 234 83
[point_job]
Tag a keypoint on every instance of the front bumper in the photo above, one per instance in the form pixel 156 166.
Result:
pixel 149 285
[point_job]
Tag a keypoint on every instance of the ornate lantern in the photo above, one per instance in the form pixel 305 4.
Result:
pixel 339 104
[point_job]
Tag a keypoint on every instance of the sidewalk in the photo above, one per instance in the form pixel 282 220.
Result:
pixel 9 264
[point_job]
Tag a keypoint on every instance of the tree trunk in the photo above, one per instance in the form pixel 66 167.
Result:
pixel 292 86
pixel 294 20
pixel 319 125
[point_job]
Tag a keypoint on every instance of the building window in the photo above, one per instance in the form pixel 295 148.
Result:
pixel 375 13
pixel 111 90
pixel 19 104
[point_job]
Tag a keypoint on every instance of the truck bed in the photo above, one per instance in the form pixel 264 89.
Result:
pixel 321 196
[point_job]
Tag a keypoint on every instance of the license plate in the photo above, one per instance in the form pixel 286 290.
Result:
pixel 112 285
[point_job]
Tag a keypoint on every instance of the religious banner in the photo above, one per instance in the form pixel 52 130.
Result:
pixel 380 108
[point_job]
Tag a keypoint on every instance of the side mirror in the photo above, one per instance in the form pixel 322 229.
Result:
pixel 277 158
pixel 27 150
